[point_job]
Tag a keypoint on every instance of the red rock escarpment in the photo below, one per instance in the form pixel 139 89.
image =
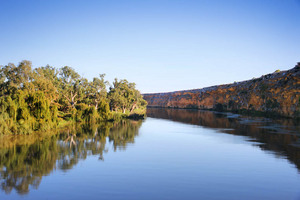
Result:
pixel 278 92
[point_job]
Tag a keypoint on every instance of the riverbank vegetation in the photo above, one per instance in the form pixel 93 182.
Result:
pixel 43 98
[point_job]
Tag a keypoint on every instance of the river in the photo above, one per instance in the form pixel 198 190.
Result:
pixel 172 154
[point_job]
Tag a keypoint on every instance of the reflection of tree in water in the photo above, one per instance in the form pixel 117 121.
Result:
pixel 123 133
pixel 79 142
pixel 279 136
pixel 23 166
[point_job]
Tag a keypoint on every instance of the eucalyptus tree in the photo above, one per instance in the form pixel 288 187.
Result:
pixel 97 90
pixel 46 81
pixel 123 96
pixel 69 86
pixel 16 77
pixel 41 98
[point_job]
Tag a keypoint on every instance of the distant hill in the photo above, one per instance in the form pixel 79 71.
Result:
pixel 276 93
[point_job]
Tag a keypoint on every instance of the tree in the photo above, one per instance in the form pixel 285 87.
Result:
pixel 123 96
pixel 41 98
pixel 69 85
pixel 45 80
pixel 97 90
pixel 14 78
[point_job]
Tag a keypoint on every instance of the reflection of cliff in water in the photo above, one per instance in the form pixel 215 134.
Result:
pixel 280 136
pixel 24 160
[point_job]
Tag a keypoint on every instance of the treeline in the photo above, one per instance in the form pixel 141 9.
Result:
pixel 45 97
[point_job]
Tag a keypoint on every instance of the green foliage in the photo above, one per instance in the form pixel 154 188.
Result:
pixel 124 97
pixel 117 116
pixel 80 108
pixel 54 113
pixel 103 110
pixel 91 114
pixel 70 87
pixel 42 98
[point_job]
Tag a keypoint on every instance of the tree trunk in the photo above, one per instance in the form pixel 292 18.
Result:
pixel 96 106
pixel 133 107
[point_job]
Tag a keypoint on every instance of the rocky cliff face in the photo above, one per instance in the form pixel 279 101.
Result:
pixel 278 92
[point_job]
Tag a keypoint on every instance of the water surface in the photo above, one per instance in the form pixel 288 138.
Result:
pixel 173 154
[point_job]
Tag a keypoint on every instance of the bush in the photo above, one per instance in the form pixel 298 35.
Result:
pixel 103 110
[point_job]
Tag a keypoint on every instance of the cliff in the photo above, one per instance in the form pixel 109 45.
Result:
pixel 277 93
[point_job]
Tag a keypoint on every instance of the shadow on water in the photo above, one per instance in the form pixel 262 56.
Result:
pixel 279 136
pixel 24 160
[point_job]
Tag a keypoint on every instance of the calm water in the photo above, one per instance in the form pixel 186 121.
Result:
pixel 173 154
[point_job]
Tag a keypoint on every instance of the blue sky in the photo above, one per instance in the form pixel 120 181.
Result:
pixel 160 45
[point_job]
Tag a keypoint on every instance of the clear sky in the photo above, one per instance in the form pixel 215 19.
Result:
pixel 159 45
